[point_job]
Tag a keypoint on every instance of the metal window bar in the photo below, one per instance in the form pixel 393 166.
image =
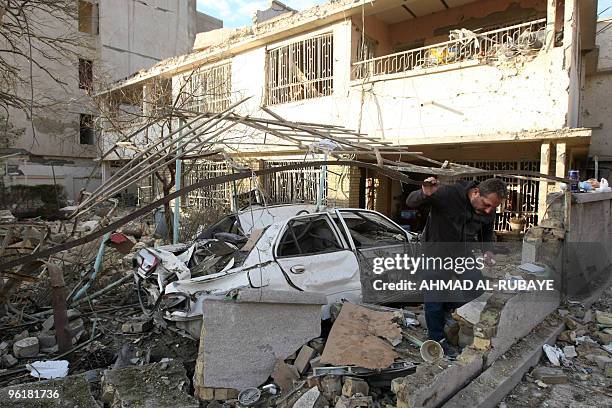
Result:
pixel 209 89
pixel 294 186
pixel 522 194
pixel 300 70
pixel 464 45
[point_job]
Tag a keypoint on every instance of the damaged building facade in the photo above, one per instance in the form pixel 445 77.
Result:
pixel 113 39
pixel 414 74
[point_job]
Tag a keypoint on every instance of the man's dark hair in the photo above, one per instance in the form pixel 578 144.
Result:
pixel 493 185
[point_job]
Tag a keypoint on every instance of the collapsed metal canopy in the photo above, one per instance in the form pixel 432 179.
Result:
pixel 217 134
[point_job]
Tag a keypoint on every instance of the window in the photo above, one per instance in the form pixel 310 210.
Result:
pixel 209 89
pixel 308 236
pixel 86 14
pixel 85 74
pixel 86 133
pixel 300 70
pixel 372 230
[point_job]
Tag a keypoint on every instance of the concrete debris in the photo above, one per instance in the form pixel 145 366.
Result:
pixel 266 325
pixel 67 392
pixel 549 375
pixel 26 348
pixel 148 386
pixel 302 362
pixel 354 402
pixel 137 326
pixel 311 399
pixel 353 386
pixel 8 361
pixel 362 337
pixel 284 375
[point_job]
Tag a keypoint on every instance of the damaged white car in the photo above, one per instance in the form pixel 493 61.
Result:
pixel 290 247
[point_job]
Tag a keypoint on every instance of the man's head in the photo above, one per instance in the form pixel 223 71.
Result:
pixel 488 195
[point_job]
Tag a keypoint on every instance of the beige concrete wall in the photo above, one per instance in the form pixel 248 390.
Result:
pixel 596 109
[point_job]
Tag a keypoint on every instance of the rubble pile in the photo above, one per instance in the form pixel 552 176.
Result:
pixel 577 370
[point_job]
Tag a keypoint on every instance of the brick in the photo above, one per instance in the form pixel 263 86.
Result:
pixel 224 394
pixel 481 344
pixel 27 347
pixel 302 362
pixel 353 386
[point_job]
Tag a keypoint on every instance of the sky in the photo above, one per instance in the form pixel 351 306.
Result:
pixel 238 13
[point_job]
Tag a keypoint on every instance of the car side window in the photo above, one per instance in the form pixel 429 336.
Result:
pixel 308 236
pixel 370 230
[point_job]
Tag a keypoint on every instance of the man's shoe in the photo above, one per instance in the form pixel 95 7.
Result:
pixel 449 350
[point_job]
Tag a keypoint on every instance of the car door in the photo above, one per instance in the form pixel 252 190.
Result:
pixel 316 258
pixel 375 236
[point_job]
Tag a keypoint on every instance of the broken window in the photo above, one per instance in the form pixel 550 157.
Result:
pixel 85 74
pixel 209 89
pixel 86 133
pixel 308 235
pixel 300 70
pixel 372 230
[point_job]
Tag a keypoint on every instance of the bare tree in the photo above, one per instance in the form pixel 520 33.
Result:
pixel 32 34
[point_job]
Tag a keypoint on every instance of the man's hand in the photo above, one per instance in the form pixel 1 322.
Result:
pixel 430 186
pixel 489 258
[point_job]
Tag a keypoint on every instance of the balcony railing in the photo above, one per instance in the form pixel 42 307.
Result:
pixel 464 45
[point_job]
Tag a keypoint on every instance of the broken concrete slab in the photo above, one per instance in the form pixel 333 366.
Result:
pixel 490 387
pixel 311 399
pixel 264 326
pixel 471 311
pixel 363 338
pixel 517 318
pixel 157 385
pixel 434 383
pixel 26 348
pixel 302 362
pixel 72 391
pixel 284 375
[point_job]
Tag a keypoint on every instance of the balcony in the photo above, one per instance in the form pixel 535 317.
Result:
pixel 464 46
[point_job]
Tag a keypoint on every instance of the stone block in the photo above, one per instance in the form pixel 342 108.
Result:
pixel 261 332
pixel 46 339
pixel 302 362
pixel 8 361
pixel 353 386
pixel 26 348
pixel 549 375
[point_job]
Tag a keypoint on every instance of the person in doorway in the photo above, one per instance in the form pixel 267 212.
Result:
pixel 461 219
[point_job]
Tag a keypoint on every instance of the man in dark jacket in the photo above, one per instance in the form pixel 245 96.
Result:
pixel 461 216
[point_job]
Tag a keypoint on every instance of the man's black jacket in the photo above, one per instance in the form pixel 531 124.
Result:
pixel 452 218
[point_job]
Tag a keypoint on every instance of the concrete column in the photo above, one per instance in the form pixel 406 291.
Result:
pixel 561 166
pixel 551 16
pixel 544 169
